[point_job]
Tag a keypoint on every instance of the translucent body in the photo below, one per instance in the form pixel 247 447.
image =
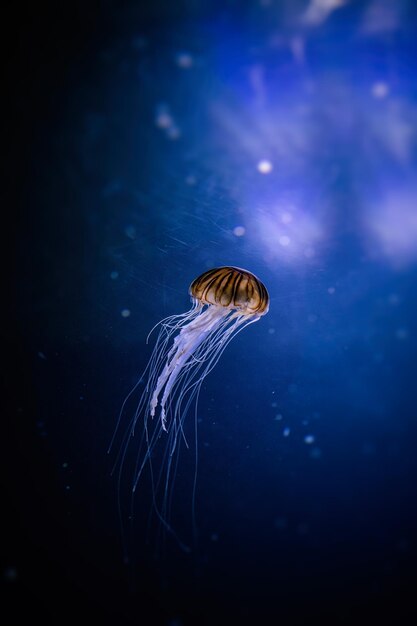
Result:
pixel 188 346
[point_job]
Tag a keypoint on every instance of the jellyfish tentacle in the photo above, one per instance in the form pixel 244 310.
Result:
pixel 185 345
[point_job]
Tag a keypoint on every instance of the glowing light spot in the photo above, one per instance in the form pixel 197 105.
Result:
pixel 278 417
pixel 163 119
pixel 239 231
pixel 271 331
pixel 318 11
pixel 265 166
pixel 286 217
pixel 286 232
pixel 114 275
pixel 380 90
pixel 331 290
pixel 309 439
pixel 125 313
pixel 392 224
pixel 284 240
pixel 286 432
pixel 184 60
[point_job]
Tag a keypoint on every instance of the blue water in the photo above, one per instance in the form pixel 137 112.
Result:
pixel 150 143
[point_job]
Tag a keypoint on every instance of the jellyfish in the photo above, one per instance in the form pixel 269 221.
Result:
pixel 224 301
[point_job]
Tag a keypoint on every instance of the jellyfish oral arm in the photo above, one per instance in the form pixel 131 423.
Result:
pixel 185 345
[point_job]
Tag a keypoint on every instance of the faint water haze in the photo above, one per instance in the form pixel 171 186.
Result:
pixel 153 142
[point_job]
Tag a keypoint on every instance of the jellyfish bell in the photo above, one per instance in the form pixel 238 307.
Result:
pixel 224 301
pixel 231 288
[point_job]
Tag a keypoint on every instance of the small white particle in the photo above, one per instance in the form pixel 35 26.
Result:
pixel 265 166
pixel 125 313
pixel 184 60
pixel 380 89
pixel 331 290
pixel 309 439
pixel 239 231
pixel 163 119
pixel 286 432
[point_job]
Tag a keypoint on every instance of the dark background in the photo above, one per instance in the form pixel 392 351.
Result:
pixel 107 210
